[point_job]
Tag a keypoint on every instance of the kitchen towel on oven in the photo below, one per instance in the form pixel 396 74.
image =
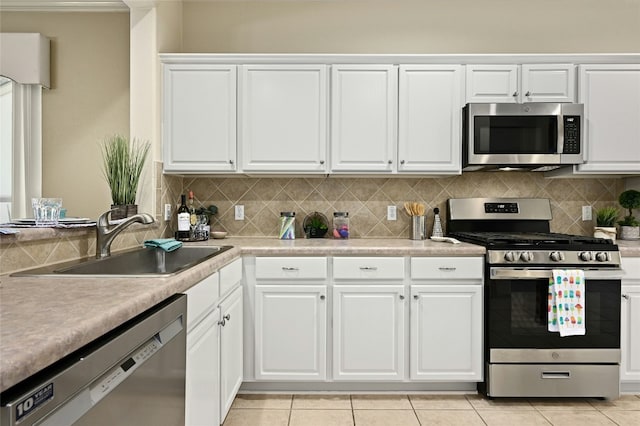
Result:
pixel 566 307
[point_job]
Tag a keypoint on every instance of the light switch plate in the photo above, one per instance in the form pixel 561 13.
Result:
pixel 586 213
pixel 239 212
pixel 392 213
pixel 167 212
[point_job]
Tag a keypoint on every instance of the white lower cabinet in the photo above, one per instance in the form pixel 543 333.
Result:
pixel 230 350
pixel 290 332
pixel 214 347
pixel 203 374
pixel 368 332
pixel 630 326
pixel 446 332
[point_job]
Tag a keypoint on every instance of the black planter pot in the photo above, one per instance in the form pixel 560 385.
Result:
pixel 123 211
pixel 316 232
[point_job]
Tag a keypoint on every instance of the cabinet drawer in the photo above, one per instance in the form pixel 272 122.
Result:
pixel 376 268
pixel 631 267
pixel 446 267
pixel 291 268
pixel 201 298
pixel 230 275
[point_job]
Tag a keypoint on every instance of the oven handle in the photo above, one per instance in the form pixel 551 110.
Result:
pixel 533 273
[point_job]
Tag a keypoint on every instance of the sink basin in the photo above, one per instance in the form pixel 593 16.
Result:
pixel 142 262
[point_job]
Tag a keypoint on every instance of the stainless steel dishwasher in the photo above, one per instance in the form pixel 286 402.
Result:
pixel 134 375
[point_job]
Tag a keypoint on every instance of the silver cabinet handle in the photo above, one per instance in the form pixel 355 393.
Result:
pixel 626 296
pixel 369 268
pixel 515 94
pixel 230 161
pixel 222 323
pixel 321 161
pixel 401 161
pixel 390 162
pixel 401 297
pixel 528 93
pixel 288 268
pixel 416 297
pixel 447 269
pixel 227 317
pixel 322 297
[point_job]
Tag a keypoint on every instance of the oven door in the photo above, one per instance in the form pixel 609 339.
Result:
pixel 516 309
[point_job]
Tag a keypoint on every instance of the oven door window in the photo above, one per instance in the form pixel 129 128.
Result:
pixel 515 134
pixel 517 315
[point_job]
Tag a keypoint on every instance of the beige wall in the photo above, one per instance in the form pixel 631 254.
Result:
pixel 88 100
pixel 412 26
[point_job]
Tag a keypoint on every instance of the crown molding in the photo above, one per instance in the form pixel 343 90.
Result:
pixel 63 6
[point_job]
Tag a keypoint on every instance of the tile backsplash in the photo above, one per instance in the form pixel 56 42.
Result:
pixel 366 199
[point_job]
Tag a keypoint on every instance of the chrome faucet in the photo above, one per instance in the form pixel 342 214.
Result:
pixel 105 233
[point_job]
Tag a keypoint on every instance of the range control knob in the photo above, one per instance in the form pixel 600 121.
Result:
pixel 603 256
pixel 526 256
pixel 585 255
pixel 510 256
pixel 556 256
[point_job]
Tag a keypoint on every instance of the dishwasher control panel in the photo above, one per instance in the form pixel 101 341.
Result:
pixel 114 377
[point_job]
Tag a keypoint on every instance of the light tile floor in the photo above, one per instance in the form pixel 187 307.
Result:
pixel 416 410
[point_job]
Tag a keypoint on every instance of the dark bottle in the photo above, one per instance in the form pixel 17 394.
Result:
pixel 184 222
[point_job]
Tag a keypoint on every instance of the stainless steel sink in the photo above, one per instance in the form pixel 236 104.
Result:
pixel 143 262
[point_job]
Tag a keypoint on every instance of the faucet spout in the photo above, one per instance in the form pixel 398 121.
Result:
pixel 105 232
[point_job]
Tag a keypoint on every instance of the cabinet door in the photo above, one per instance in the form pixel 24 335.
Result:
pixel 430 105
pixel 283 113
pixel 202 399
pixel 492 83
pixel 199 118
pixel 368 332
pixel 290 327
pixel 363 117
pixel 630 334
pixel 446 332
pixel 611 98
pixel 231 353
pixel 548 83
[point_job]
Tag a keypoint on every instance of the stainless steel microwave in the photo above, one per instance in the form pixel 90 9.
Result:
pixel 533 136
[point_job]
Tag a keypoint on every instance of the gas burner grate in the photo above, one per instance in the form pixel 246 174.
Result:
pixel 529 239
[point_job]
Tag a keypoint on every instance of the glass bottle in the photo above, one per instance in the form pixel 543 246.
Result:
pixel 184 220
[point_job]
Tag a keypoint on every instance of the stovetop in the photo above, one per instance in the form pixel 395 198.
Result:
pixel 534 240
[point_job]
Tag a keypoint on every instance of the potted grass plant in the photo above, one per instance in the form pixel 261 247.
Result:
pixel 315 225
pixel 606 223
pixel 629 225
pixel 123 161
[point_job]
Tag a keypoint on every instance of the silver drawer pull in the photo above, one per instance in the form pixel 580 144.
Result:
pixel 369 268
pixel 556 375
pixel 288 268
pixel 447 268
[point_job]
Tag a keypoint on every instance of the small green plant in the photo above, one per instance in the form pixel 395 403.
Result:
pixel 123 162
pixel 629 199
pixel 207 211
pixel 606 216
pixel 317 222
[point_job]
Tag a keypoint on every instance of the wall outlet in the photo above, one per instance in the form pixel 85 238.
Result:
pixel 392 213
pixel 239 212
pixel 167 212
pixel 586 213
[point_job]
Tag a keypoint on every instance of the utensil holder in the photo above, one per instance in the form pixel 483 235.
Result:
pixel 418 228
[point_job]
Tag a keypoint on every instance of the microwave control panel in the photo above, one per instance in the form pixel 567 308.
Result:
pixel 571 134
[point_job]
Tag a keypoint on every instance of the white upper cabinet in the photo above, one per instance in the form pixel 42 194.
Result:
pixel 611 138
pixel 519 84
pixel 364 101
pixel 283 118
pixel 199 118
pixel 429 128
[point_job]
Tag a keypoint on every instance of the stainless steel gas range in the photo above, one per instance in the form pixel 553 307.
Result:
pixel 522 357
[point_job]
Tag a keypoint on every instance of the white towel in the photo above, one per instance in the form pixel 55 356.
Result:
pixel 566 302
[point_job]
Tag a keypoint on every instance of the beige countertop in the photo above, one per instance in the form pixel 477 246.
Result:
pixel 43 319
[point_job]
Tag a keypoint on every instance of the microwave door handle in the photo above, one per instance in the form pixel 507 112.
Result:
pixel 560 139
